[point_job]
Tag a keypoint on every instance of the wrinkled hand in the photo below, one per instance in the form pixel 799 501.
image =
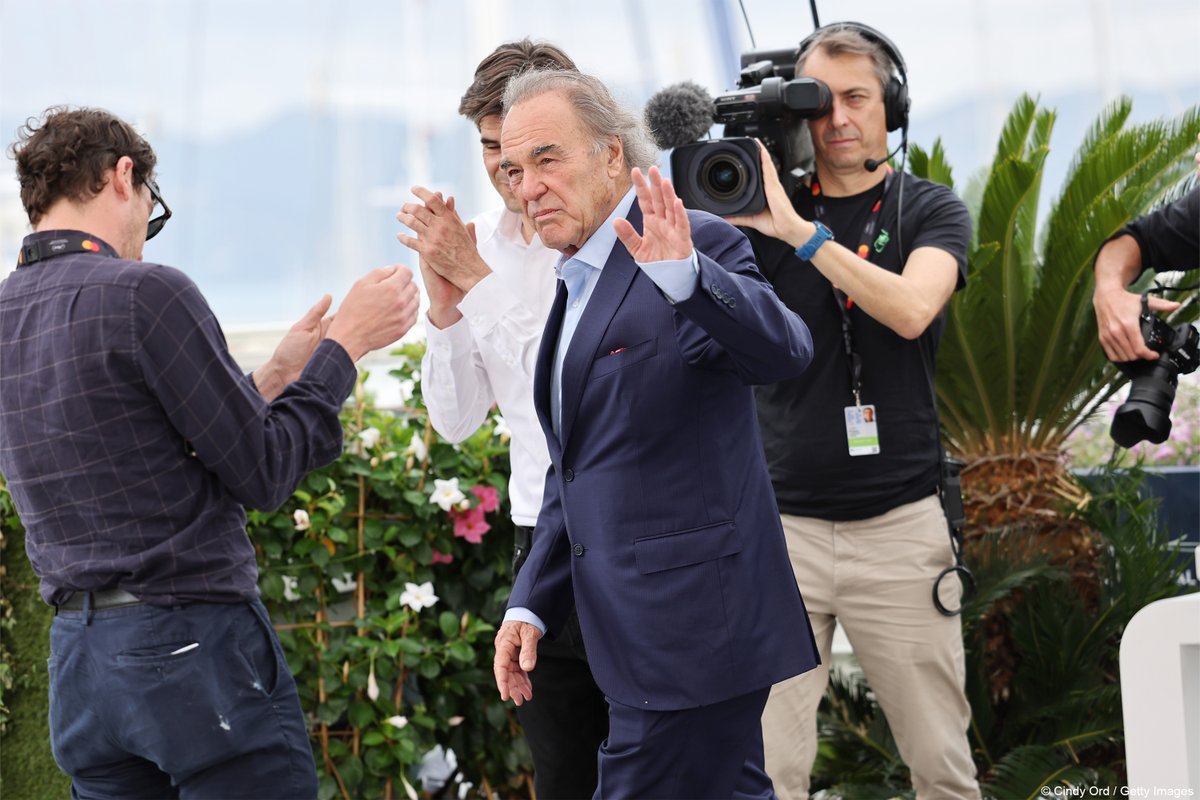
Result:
pixel 379 309
pixel 1117 322
pixel 293 351
pixel 666 231
pixel 445 244
pixel 779 219
pixel 516 655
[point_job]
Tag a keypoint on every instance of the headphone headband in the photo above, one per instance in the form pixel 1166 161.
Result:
pixel 896 99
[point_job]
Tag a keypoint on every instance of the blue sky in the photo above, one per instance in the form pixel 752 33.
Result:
pixel 303 122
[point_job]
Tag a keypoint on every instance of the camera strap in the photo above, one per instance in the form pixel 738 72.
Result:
pixel 69 243
pixel 866 242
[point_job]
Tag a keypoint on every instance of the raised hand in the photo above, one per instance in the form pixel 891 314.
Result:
pixel 379 309
pixel 666 232
pixel 293 351
pixel 445 243
pixel 779 219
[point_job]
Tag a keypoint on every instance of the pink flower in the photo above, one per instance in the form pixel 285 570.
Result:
pixel 441 558
pixel 470 525
pixel 489 498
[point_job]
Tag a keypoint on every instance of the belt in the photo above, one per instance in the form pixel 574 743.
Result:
pixel 522 537
pixel 108 598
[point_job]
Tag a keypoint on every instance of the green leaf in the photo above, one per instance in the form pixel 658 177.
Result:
pixel 430 668
pixel 462 652
pixel 448 621
pixel 361 715
pixel 373 738
pixel 351 771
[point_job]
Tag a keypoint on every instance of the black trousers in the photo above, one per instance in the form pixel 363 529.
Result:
pixel 567 720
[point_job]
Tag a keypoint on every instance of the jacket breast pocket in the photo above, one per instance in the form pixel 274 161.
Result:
pixel 685 548
pixel 624 357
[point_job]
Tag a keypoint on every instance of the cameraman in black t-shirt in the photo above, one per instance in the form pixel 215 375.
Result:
pixel 853 443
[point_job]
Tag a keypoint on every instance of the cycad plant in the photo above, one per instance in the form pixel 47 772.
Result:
pixel 1020 366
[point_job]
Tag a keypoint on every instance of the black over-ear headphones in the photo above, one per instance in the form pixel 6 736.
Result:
pixel 895 96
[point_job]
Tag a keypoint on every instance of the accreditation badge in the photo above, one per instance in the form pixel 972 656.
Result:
pixel 862 430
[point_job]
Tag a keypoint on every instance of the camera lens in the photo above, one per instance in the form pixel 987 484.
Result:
pixel 723 176
pixel 1145 416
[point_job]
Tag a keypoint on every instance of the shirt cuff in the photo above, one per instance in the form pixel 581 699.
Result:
pixel 525 615
pixel 487 303
pixel 677 279
pixel 446 341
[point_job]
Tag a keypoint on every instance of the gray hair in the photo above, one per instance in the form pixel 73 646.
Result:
pixel 601 115
pixel 837 40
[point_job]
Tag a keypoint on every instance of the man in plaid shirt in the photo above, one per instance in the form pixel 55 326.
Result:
pixel 131 441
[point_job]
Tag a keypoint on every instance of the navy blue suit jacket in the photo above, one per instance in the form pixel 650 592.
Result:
pixel 659 523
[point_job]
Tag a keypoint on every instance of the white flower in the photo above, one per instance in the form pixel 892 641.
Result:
pixel 416 447
pixel 372 686
pixel 455 721
pixel 397 721
pixel 501 429
pixel 446 493
pixel 389 455
pixel 418 597
pixel 301 519
pixel 370 437
pixel 465 505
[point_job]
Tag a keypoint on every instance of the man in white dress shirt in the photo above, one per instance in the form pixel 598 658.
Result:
pixel 490 285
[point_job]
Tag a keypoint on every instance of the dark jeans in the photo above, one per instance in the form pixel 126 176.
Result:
pixel 567 719
pixel 137 712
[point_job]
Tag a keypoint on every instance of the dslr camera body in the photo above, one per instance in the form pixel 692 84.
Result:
pixel 1146 414
pixel 724 176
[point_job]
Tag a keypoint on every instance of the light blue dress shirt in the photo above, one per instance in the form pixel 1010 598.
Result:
pixel 580 273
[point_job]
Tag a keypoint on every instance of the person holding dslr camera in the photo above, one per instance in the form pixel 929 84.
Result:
pixel 1144 347
pixel 869 258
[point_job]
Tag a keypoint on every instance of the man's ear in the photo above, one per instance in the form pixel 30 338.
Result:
pixel 616 157
pixel 122 180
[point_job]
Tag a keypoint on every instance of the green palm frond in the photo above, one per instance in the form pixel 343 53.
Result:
pixel 1022 773
pixel 931 165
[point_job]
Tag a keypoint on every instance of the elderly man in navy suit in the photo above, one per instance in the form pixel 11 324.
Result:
pixel 658 524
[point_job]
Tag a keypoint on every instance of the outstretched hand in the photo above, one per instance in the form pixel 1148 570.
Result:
pixel 666 232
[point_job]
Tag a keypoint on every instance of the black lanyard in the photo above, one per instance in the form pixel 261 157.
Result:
pixel 844 302
pixel 61 244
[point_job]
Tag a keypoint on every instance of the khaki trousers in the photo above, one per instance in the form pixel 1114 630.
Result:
pixel 876 577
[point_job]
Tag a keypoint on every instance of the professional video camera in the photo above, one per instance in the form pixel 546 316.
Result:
pixel 1146 414
pixel 724 176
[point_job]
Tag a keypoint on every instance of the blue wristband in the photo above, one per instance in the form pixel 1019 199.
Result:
pixel 809 249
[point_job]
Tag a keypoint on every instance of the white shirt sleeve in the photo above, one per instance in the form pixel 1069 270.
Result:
pixel 525 615
pixel 454 381
pixel 500 321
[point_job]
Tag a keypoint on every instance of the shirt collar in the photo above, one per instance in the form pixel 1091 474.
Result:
pixel 598 247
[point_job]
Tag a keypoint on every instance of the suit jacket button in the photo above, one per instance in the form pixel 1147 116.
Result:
pixel 568 475
pixel 577 549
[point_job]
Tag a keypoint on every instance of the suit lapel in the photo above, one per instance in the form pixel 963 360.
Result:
pixel 545 366
pixel 615 279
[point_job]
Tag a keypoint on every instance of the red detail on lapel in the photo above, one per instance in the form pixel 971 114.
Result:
pixel 614 352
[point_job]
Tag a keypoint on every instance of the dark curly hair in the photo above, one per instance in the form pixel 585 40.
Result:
pixel 67 153
pixel 483 97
